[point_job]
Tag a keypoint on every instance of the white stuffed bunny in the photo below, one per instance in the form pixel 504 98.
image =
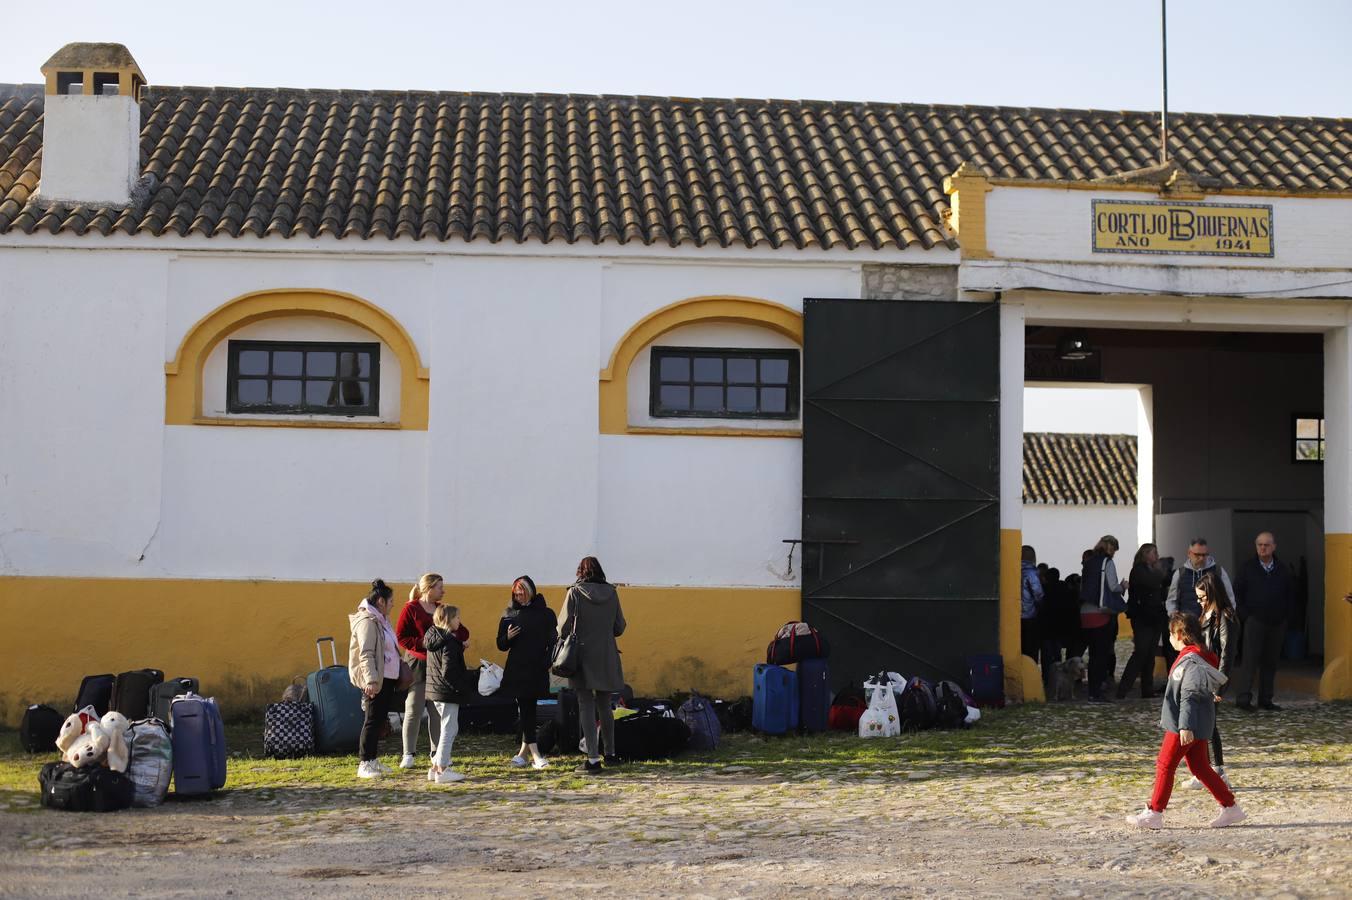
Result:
pixel 74 727
pixel 89 748
pixel 115 725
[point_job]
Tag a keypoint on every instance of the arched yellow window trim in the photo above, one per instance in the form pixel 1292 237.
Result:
pixel 183 376
pixel 614 384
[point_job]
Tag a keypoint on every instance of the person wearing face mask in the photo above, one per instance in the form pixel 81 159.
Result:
pixel 526 632
pixel 373 667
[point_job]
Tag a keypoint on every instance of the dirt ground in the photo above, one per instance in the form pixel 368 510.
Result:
pixel 1022 817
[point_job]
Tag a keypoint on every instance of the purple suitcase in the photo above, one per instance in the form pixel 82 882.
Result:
pixel 199 745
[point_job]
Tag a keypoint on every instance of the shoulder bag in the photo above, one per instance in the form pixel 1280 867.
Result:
pixel 567 652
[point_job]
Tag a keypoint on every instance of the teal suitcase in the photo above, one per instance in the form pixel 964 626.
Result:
pixel 336 702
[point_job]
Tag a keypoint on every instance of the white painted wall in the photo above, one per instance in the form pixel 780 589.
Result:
pixel 81 410
pixel 1060 534
pixel 1081 410
pixel 91 148
pixel 1054 224
pixel 512 475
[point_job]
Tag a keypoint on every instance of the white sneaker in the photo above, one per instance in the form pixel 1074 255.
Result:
pixel 368 769
pixel 383 769
pixel 431 774
pixel 407 761
pixel 1230 815
pixel 449 776
pixel 1146 818
pixel 1195 783
pixel 540 763
pixel 519 761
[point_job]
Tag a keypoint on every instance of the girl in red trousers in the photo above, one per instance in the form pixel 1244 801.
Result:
pixel 1188 717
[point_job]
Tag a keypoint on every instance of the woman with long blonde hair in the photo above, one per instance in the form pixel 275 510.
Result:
pixel 414 620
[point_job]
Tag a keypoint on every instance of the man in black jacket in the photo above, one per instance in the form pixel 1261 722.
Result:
pixel 1265 594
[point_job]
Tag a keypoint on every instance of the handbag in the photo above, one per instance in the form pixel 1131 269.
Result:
pixel 405 677
pixel 567 652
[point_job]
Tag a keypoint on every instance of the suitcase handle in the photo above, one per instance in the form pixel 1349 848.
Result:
pixel 333 650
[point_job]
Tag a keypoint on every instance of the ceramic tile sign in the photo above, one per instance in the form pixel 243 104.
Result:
pixel 1193 229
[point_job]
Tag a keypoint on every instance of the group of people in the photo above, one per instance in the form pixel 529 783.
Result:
pixel 1245 619
pixel 1206 623
pixel 422 651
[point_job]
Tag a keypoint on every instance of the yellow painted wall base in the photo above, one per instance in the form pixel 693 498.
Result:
pixel 246 640
pixel 1336 684
pixel 1031 675
pixel 1011 612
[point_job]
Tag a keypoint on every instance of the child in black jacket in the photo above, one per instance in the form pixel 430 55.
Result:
pixel 448 685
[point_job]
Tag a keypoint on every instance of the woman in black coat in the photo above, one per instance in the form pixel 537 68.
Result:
pixel 526 632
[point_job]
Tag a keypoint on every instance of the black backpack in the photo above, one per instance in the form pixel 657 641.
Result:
pixel 40 727
pixel 91 789
pixel 950 710
pixel 917 707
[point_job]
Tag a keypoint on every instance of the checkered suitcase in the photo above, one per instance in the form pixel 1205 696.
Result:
pixel 288 729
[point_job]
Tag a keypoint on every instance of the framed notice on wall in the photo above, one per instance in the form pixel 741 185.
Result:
pixel 1193 229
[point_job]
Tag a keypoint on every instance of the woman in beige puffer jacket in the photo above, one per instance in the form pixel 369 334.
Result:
pixel 373 666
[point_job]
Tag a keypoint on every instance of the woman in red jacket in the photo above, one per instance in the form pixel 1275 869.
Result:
pixel 414 620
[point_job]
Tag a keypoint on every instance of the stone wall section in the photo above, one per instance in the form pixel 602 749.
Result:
pixel 897 282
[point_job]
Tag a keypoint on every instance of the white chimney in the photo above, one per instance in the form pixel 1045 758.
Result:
pixel 91 125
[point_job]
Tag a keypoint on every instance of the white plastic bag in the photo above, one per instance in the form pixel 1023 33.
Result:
pixel 973 715
pixel 490 677
pixel 880 719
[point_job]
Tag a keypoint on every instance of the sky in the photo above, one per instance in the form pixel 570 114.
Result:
pixel 1239 56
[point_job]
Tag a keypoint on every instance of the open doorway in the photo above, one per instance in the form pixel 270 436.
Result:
pixel 1227 440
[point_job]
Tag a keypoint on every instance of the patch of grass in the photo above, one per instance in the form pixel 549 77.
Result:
pixel 1056 740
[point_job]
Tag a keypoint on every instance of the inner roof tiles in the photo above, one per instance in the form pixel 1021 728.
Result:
pixel 595 169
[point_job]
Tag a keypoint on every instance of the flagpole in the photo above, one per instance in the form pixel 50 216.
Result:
pixel 1164 101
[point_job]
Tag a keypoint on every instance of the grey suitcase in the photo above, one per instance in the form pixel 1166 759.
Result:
pixel 162 697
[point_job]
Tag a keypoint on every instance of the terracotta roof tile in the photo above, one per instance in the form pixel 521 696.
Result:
pixel 1079 469
pixel 647 170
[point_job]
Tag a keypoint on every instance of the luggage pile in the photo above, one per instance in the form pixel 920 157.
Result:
pixel 786 700
pixel 130 736
pixel 898 705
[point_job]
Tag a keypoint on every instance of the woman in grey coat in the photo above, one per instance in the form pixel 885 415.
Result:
pixel 592 608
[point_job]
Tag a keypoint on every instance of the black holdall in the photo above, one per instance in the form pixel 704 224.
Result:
pixel 91 789
pixel 567 652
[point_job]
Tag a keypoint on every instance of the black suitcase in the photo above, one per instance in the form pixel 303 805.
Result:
pixel 567 723
pixel 39 729
pixel 131 692
pixel 489 715
pixel 95 691
pixel 91 789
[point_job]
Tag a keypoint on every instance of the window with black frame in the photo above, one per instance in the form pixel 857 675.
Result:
pixel 723 383
pixel 323 378
pixel 1308 438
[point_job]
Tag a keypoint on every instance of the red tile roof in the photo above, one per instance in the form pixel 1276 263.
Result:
pixel 628 170
pixel 1079 469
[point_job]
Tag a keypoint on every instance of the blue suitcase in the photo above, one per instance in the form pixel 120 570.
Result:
pixel 814 694
pixel 774 701
pixel 987 674
pixel 337 703
pixel 198 742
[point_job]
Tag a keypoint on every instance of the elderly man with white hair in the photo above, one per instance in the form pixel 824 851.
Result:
pixel 1265 596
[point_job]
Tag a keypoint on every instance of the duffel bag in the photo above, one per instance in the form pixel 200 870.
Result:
pixel 91 789
pixel 151 761
pixel 795 642
pixel 650 736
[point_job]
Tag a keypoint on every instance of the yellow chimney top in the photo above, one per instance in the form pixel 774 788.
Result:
pixel 98 69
